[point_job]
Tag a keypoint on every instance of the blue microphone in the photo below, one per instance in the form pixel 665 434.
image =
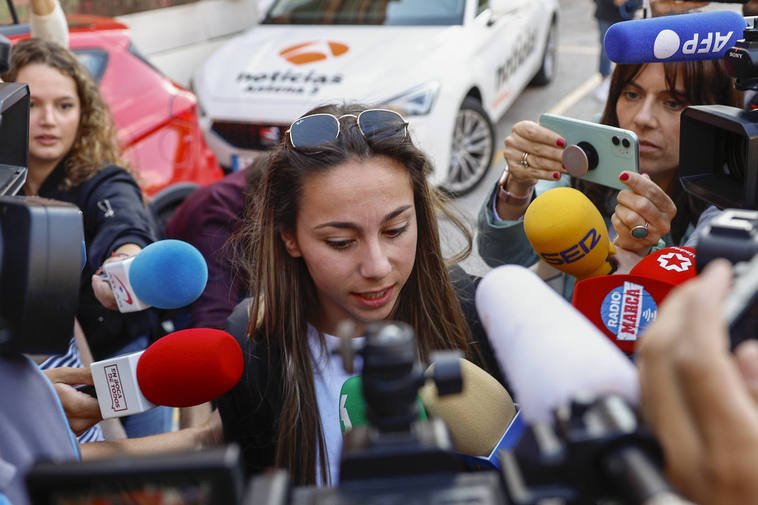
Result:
pixel 168 274
pixel 684 37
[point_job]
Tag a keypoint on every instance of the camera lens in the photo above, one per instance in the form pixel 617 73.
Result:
pixel 625 142
pixel 615 140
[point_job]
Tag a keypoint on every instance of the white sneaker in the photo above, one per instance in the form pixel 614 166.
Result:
pixel 601 92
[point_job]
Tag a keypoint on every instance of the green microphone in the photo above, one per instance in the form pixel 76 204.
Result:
pixel 353 405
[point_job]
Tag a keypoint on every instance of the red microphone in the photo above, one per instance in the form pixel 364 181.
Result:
pixel 184 368
pixel 621 306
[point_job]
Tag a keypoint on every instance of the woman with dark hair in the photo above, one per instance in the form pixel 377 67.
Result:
pixel 647 99
pixel 344 228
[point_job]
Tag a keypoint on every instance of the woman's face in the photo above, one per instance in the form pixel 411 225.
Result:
pixel 54 114
pixel 356 231
pixel 648 108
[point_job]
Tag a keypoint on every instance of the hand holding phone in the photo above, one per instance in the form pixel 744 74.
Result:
pixel 595 152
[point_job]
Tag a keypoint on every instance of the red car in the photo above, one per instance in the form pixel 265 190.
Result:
pixel 156 117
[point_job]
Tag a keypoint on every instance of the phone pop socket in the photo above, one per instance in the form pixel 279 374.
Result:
pixel 579 158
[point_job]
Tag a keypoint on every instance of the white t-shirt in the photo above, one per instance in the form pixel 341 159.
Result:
pixel 329 376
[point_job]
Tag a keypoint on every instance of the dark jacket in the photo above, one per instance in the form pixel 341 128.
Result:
pixel 250 411
pixel 114 215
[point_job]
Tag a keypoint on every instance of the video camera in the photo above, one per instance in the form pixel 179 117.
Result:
pixel 40 242
pixel 718 154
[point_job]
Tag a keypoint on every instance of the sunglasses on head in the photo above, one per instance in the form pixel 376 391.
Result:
pixel 318 129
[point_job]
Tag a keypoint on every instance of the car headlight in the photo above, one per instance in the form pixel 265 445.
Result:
pixel 416 101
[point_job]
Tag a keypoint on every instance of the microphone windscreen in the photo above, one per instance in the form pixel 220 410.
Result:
pixel 684 37
pixel 168 274
pixel 549 351
pixel 621 306
pixel 567 231
pixel 478 416
pixel 673 265
pixel 189 367
pixel 352 404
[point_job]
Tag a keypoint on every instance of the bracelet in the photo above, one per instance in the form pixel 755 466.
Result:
pixel 509 197
pixel 119 255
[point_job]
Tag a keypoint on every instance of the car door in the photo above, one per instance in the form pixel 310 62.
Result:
pixel 509 40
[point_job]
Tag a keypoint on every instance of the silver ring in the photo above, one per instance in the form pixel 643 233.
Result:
pixel 523 162
pixel 640 231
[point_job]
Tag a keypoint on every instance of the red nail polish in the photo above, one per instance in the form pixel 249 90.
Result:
pixel 556 175
pixel 624 176
pixel 561 143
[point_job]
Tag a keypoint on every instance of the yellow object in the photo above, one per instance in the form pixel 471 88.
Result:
pixel 568 232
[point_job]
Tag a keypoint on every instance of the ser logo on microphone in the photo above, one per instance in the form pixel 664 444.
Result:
pixel 576 251
pixel 667 43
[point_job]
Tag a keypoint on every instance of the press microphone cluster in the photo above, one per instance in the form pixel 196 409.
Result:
pixel 167 274
pixel 182 369
pixel 577 391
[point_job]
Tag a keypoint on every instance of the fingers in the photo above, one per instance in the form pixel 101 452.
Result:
pixel 103 292
pixel 69 375
pixel 645 203
pixel 543 148
pixel 746 355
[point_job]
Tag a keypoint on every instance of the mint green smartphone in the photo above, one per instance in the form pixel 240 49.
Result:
pixel 596 152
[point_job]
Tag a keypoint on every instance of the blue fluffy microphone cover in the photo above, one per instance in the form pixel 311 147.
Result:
pixel 684 37
pixel 168 274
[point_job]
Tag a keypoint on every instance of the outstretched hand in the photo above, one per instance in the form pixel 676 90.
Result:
pixel 699 398
pixel 82 410
pixel 644 204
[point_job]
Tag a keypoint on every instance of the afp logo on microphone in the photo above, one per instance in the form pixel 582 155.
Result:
pixel 668 43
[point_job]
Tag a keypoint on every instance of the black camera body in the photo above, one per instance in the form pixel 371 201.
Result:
pixel 718 155
pixel 718 147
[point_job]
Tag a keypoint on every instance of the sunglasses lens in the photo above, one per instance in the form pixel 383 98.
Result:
pixel 378 123
pixel 314 130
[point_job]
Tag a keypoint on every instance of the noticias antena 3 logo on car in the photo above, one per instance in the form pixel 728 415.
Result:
pixel 667 43
pixel 292 81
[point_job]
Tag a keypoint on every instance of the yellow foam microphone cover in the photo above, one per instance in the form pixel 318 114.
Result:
pixel 478 416
pixel 568 232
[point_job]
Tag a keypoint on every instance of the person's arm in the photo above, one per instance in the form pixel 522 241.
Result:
pixel 47 21
pixel 501 238
pixel 698 397
pixel 666 7
pixel 101 287
pixel 209 434
pixel 750 8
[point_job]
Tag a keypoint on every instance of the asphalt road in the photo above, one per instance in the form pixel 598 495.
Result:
pixel 571 93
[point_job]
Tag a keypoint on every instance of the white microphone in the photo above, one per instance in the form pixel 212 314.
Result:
pixel 549 351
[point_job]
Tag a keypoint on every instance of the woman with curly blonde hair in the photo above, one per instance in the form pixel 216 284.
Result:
pixel 74 157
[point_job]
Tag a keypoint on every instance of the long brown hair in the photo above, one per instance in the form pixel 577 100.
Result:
pixel 284 296
pixel 705 83
pixel 95 144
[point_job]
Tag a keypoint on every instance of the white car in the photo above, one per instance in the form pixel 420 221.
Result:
pixel 451 67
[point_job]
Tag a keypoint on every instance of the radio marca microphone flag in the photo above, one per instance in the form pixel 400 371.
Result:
pixel 622 306
pixel 184 368
pixel 166 274
pixel 684 37
pixel 568 232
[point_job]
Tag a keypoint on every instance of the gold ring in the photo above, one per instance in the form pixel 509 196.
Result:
pixel 640 231
pixel 523 162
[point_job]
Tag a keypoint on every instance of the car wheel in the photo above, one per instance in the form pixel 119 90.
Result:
pixel 546 73
pixel 472 148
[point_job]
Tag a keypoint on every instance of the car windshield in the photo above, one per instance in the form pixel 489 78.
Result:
pixel 366 12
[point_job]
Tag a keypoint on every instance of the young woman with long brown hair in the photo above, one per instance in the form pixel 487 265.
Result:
pixel 344 228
